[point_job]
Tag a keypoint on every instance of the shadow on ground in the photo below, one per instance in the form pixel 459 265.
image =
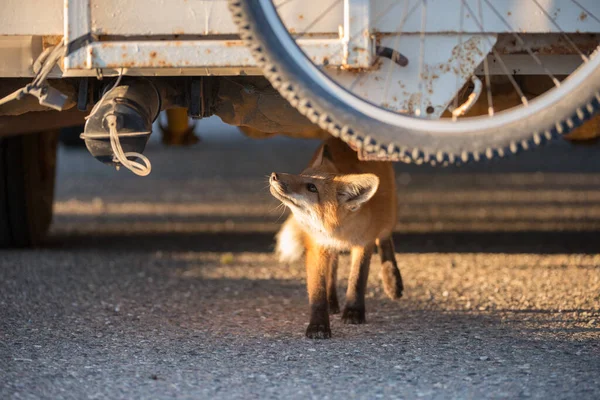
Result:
pixel 537 242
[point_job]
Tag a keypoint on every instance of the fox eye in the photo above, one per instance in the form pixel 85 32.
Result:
pixel 311 187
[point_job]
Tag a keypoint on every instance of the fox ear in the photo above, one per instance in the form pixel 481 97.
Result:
pixel 357 189
pixel 322 156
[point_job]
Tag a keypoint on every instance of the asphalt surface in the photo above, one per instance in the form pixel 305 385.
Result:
pixel 166 286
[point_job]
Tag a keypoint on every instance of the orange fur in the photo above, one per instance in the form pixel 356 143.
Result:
pixel 340 203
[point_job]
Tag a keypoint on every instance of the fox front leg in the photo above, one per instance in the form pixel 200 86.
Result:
pixel 354 310
pixel 332 298
pixel 318 261
pixel 390 273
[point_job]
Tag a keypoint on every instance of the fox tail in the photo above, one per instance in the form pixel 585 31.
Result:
pixel 290 241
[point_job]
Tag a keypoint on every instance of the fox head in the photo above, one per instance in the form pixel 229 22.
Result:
pixel 321 198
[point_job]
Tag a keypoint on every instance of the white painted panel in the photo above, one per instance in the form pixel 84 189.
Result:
pixel 201 17
pixel 16 55
pixel 160 17
pixel 167 17
pixel 31 17
pixel 523 15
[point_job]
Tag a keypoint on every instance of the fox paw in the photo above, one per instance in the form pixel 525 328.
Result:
pixel 354 316
pixel 318 331
pixel 392 280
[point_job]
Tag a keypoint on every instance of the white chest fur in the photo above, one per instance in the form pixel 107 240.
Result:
pixel 314 227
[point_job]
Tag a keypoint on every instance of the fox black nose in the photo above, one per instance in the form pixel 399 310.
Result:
pixel 276 180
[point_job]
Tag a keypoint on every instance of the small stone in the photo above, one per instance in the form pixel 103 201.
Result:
pixel 484 358
pixel 227 258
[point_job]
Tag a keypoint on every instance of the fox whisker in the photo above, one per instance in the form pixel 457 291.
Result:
pixel 277 207
pixel 282 213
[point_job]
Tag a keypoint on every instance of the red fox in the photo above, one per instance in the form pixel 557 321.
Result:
pixel 338 203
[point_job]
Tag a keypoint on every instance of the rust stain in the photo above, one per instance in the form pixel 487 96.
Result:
pixel 586 44
pixel 207 51
pixel 556 12
pixel 301 16
pixel 50 40
pixel 152 54
pixel 127 64
pixel 583 16
pixel 140 64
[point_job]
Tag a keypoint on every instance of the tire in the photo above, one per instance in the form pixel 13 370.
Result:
pixel 407 138
pixel 27 176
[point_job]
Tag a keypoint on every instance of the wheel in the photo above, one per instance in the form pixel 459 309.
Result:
pixel 27 174
pixel 407 135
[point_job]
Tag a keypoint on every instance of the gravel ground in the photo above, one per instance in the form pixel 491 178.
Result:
pixel 166 287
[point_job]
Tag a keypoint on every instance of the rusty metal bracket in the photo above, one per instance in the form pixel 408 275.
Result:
pixel 356 37
pixel 202 97
pixel 39 87
pixel 83 94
